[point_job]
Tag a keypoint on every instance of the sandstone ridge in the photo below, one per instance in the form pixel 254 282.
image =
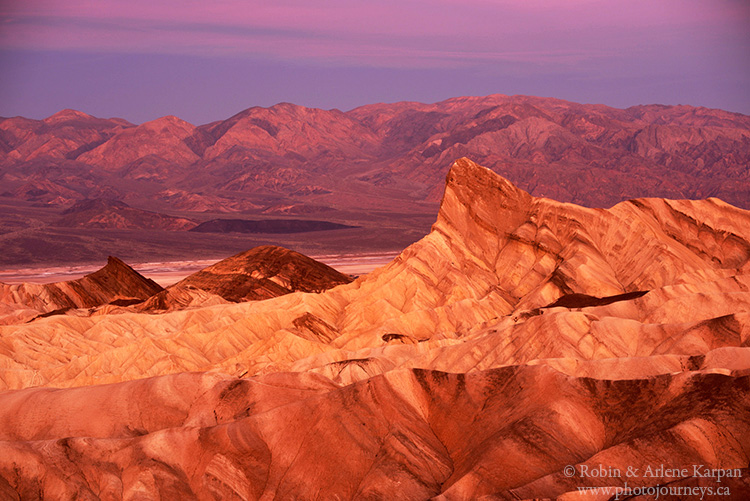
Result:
pixel 495 262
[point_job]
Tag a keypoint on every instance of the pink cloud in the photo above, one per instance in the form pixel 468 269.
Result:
pixel 390 33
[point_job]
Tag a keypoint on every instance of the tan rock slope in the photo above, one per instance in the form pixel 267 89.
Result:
pixel 410 434
pixel 520 337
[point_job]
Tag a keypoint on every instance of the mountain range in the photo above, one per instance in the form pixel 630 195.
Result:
pixel 376 166
pixel 518 345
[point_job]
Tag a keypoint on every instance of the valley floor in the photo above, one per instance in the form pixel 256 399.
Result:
pixel 170 272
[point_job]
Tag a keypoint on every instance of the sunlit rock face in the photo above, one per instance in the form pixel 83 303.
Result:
pixel 522 337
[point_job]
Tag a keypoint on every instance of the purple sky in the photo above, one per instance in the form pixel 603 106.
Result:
pixel 206 60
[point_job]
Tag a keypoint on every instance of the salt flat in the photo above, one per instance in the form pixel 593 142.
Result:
pixel 170 272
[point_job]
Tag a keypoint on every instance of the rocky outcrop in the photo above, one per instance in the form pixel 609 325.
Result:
pixel 260 273
pixel 114 282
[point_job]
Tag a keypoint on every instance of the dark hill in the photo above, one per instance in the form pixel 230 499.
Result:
pixel 114 214
pixel 260 273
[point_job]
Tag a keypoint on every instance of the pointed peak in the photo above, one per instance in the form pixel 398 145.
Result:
pixel 466 175
pixel 465 166
pixel 264 272
pixel 168 120
pixel 475 195
pixel 130 282
pixel 115 261
pixel 116 267
pixel 67 114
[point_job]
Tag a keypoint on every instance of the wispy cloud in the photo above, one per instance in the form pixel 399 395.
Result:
pixel 202 60
pixel 406 33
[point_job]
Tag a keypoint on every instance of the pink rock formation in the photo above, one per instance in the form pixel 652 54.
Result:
pixel 113 214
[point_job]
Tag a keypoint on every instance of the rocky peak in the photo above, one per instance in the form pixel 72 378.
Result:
pixel 475 195
pixel 265 271
pixel 117 278
pixel 116 266
pixel 66 115
pixel 114 282
pixel 169 124
pixel 260 273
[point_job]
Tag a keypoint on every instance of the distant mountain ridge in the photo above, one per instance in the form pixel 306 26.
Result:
pixel 378 169
pixel 592 155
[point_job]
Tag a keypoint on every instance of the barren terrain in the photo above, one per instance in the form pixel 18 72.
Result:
pixel 79 188
pixel 520 344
